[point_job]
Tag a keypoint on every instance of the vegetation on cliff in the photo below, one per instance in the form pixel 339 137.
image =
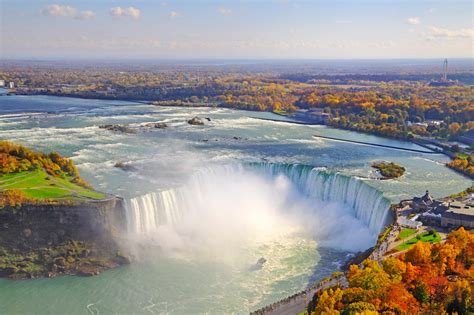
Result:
pixel 389 170
pixel 27 176
pixel 70 257
pixel 429 278
pixel 463 193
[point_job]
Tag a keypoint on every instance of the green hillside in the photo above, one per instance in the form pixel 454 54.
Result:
pixel 30 176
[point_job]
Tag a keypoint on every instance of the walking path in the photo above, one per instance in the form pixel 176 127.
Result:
pixel 298 303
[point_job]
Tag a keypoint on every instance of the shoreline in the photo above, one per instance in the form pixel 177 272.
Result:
pixel 418 142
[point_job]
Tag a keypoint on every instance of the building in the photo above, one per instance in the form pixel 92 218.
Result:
pixel 458 214
pixel 411 224
pixel 443 81
pixel 2 83
pixel 11 85
pixel 423 204
pixel 315 115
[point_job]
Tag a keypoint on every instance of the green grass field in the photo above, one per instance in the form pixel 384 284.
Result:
pixel 425 237
pixel 38 184
pixel 406 233
pixel 462 155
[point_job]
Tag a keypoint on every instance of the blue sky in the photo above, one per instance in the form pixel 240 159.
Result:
pixel 237 29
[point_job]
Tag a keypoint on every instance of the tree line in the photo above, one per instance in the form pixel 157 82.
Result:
pixel 429 278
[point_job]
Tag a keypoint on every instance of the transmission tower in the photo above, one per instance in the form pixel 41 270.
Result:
pixel 445 73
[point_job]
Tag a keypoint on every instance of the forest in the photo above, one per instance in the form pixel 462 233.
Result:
pixel 15 158
pixel 390 103
pixel 429 278
pixel 27 176
pixel 463 165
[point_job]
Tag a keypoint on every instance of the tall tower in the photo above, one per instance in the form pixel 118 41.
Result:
pixel 445 72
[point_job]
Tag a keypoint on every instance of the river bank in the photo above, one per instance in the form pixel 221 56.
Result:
pixel 419 141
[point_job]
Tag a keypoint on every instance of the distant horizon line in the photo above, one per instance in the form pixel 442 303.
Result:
pixel 204 59
pixel 241 61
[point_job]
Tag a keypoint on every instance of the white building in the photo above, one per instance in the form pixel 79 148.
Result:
pixel 412 224
pixel 2 83
pixel 11 85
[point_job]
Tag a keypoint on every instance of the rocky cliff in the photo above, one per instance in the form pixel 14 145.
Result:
pixel 49 239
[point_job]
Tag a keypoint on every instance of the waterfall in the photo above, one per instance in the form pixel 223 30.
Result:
pixel 167 208
pixel 369 204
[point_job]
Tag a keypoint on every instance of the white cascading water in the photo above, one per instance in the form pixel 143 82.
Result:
pixel 369 204
pixel 253 199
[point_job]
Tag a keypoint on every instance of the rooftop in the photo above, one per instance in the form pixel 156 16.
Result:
pixel 459 210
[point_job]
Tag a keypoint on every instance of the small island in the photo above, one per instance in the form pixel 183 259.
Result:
pixel 389 170
pixel 52 221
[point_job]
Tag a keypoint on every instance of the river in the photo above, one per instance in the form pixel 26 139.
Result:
pixel 206 202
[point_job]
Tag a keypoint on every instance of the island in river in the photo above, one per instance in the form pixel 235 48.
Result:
pixel 389 170
pixel 53 221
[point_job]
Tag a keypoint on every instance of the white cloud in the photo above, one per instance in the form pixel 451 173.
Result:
pixel 174 14
pixel 84 15
pixel 131 12
pixel 67 11
pixel 224 11
pixel 59 10
pixel 447 33
pixel 413 20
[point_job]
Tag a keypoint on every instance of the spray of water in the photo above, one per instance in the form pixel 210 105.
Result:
pixel 224 209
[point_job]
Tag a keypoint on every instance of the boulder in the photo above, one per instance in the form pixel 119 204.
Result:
pixel 196 121
pixel 261 261
pixel 88 271
pixel 125 166
pixel 118 128
pixel 161 125
pixel 122 259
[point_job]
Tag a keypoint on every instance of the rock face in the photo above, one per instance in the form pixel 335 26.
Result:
pixel 125 166
pixel 48 239
pixel 161 125
pixel 51 223
pixel 196 121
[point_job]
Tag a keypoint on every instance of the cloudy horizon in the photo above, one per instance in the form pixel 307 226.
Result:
pixel 245 29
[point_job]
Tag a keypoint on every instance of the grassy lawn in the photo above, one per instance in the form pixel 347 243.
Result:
pixel 38 184
pixel 462 155
pixel 405 233
pixel 425 237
